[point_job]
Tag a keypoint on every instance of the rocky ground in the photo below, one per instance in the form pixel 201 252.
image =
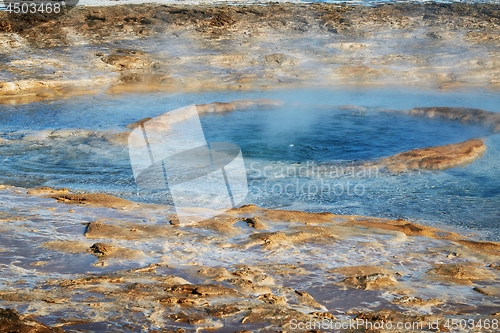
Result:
pixel 182 47
pixel 251 269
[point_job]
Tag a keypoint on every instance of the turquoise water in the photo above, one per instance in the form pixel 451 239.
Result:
pixel 284 149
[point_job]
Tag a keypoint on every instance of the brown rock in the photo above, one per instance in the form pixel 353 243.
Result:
pixel 464 115
pixel 369 282
pixel 323 315
pixel 490 248
pixel 278 59
pixel 255 222
pixel 202 290
pixel 222 311
pixel 213 290
pixel 304 298
pixel 272 299
pixel 366 277
pixel 242 104
pixel 413 301
pixel 138 123
pixel 464 273
pixel 435 158
pixel 11 321
pixel 108 228
pixel 215 273
pixel 106 250
pixel 488 290
pixel 47 191
pixel 269 240
pixel 128 59
pixel 67 246
pixel 408 228
pixel 94 199
pixel 248 286
pixel 102 249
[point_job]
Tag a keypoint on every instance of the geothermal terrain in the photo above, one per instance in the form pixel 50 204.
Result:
pixel 78 260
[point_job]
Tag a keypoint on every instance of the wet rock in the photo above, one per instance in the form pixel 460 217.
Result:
pixel 369 282
pixel 488 290
pixel 433 34
pixel 255 222
pixel 108 228
pixel 489 248
pixel 464 273
pixel 392 316
pixel 94 199
pixel 88 281
pixel 173 280
pixel 127 59
pixel 243 104
pixel 269 298
pixel 98 229
pixel 278 59
pixel 277 315
pixel 102 249
pixel 38 263
pixel 269 240
pixel 190 318
pixel 405 227
pixel 436 158
pixel 223 311
pixel 184 301
pixel 248 286
pixel 366 277
pixel 138 123
pixel 306 299
pixel 215 273
pixel 17 296
pixel 412 301
pixel 204 290
pixel 47 191
pixel 281 269
pixel 297 216
pixel 213 290
pixel 182 288
pixel 67 246
pixel 250 279
pixel 221 224
pixel 221 20
pixel 323 315
pixel 117 138
pixel 11 321
pixel 464 115
pixel 108 251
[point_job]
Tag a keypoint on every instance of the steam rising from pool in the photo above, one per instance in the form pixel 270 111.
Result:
pixel 303 155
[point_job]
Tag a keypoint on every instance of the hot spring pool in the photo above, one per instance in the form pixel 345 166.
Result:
pixel 311 129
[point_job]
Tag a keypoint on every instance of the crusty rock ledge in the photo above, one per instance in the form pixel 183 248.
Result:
pixel 464 115
pixel 435 158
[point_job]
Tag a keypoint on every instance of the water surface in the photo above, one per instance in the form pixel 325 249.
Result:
pixel 312 128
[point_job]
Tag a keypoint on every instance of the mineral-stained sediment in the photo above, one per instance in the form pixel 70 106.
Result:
pixel 435 158
pixel 464 115
pixel 11 321
pixel 250 268
pixel 134 48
